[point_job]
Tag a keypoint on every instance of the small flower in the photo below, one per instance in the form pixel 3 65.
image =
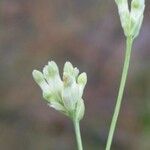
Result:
pixel 131 20
pixel 63 95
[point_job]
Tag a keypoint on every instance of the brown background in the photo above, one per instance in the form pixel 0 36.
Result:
pixel 88 34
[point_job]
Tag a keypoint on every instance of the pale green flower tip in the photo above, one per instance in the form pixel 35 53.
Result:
pixel 45 71
pixel 68 63
pixel 76 72
pixel 68 67
pixel 138 3
pixel 52 68
pixel 137 6
pixel 53 64
pixel 121 2
pixel 82 79
pixel 137 14
pixel 38 76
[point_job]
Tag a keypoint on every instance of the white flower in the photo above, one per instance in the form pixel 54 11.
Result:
pixel 63 95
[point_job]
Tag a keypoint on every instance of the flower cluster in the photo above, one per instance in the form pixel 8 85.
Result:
pixel 63 95
pixel 131 20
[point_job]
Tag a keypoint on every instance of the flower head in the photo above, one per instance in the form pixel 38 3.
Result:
pixel 131 20
pixel 63 95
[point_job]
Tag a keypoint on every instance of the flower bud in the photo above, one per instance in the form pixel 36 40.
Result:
pixel 131 21
pixel 80 110
pixel 68 68
pixel 70 93
pixel 52 68
pixel 137 14
pixel 51 74
pixel 76 71
pixel 39 78
pixel 82 80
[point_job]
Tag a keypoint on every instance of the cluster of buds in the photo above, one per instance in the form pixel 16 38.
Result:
pixel 64 95
pixel 131 20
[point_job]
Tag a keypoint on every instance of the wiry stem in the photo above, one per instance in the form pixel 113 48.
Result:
pixel 129 43
pixel 78 134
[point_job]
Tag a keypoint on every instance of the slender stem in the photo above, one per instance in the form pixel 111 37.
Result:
pixel 129 43
pixel 78 134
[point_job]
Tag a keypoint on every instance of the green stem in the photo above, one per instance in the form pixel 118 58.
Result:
pixel 78 134
pixel 129 43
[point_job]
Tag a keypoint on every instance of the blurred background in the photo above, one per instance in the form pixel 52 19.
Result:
pixel 87 33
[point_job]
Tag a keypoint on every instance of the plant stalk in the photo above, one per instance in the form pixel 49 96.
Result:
pixel 78 134
pixel 129 42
